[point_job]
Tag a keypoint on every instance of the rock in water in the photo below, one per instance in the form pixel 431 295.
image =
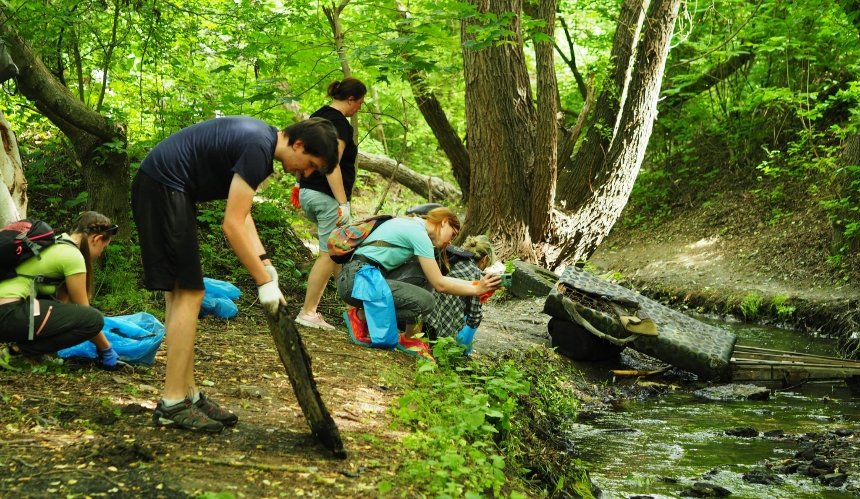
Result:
pixel 733 392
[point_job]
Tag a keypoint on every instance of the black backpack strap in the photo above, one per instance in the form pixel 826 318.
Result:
pixel 41 279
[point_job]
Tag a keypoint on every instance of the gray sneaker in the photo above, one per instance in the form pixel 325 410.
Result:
pixel 214 411
pixel 184 415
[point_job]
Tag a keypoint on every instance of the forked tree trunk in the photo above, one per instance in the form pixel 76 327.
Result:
pixel 606 179
pixel 99 144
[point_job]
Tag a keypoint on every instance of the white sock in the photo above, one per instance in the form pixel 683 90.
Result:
pixel 171 402
pixel 195 398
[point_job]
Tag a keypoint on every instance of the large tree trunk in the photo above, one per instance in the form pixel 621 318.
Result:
pixel 99 144
pixel 546 135
pixel 13 195
pixel 501 120
pixel 611 179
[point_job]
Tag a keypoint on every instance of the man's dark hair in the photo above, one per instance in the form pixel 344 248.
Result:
pixel 319 137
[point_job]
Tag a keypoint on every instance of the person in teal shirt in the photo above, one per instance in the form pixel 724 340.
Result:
pixel 393 244
pixel 63 316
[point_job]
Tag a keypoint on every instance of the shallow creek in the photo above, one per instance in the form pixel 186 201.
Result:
pixel 658 446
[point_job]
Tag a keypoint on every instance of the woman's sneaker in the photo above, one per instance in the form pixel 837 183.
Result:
pixel 214 411
pixel 314 320
pixel 415 347
pixel 357 327
pixel 184 415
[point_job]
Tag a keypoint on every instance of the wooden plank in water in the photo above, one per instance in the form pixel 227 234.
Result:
pixel 743 351
pixel 298 364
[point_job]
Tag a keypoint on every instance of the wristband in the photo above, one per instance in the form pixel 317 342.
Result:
pixel 475 283
pixel 264 257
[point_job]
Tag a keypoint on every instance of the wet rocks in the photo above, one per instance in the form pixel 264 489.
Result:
pixel 763 476
pixel 705 489
pixel 831 458
pixel 732 392
pixel 743 432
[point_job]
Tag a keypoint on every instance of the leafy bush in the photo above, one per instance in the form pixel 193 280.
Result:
pixel 474 424
pixel 274 226
pixel 779 305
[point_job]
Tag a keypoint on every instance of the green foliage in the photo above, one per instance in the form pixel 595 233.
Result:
pixel 118 287
pixel 750 305
pixel 476 423
pixel 274 226
pixel 455 414
pixel 215 495
pixel 779 304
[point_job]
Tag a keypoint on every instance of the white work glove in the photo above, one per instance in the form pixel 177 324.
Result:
pixel 343 214
pixel 273 272
pixel 270 297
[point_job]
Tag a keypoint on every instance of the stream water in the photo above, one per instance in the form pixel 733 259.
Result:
pixel 660 445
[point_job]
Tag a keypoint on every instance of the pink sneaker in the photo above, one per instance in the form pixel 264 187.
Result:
pixel 315 321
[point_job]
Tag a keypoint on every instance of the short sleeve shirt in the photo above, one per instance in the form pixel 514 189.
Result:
pixel 408 237
pixel 58 261
pixel 201 160
pixel 317 181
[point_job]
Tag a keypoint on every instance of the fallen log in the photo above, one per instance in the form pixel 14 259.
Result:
pixel 298 364
pixel 432 188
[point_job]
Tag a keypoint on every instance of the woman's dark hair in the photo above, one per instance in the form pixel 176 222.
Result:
pixel 349 87
pixel 92 223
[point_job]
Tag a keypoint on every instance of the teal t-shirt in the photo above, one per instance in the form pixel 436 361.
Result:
pixel 408 237
pixel 58 261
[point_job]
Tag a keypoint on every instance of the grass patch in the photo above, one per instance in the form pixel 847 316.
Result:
pixel 751 306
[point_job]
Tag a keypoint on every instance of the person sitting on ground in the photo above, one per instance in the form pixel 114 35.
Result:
pixel 221 158
pixel 325 198
pixel 393 244
pixel 460 316
pixel 63 316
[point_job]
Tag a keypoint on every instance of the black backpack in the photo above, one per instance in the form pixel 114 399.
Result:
pixel 20 241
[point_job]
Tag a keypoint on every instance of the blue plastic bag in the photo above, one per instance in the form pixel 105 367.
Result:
pixel 136 338
pixel 222 289
pixel 218 299
pixel 218 306
pixel 370 287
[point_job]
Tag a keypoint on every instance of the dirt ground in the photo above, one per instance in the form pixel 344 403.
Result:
pixel 74 430
pixel 710 257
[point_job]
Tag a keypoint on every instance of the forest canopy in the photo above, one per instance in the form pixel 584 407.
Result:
pixel 467 92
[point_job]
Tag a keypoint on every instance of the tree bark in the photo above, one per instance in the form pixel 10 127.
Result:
pixel 13 196
pixel 576 184
pixel 99 144
pixel 429 187
pixel 611 189
pixel 546 135
pixel 501 120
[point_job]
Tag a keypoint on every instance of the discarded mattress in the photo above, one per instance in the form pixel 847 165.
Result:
pixel 625 317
